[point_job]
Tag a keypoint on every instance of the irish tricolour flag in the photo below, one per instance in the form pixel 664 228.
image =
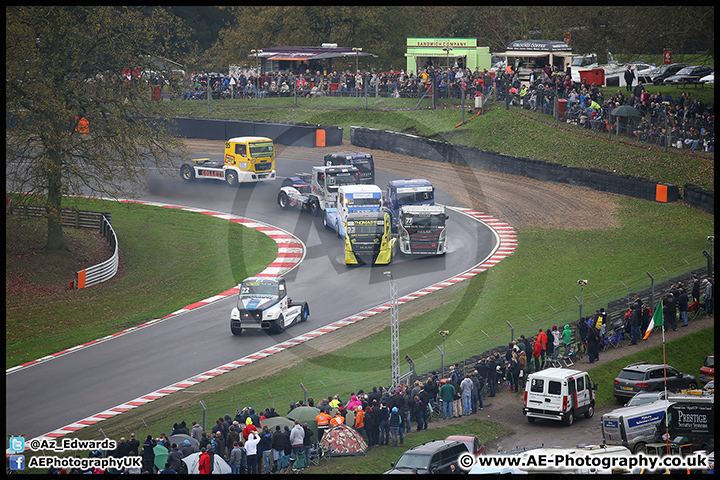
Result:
pixel 657 320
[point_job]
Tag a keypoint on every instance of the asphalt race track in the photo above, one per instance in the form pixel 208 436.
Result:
pixel 51 394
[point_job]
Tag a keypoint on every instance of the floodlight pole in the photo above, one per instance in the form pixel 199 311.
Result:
pixel 394 331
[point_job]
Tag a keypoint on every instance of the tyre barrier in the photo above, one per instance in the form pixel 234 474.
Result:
pixel 497 162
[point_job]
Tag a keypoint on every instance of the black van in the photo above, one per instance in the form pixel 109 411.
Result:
pixel 434 456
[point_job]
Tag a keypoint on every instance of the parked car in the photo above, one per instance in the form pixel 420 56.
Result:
pixel 642 71
pixel 708 78
pixel 707 371
pixel 659 74
pixel 650 377
pixel 472 442
pixel 690 74
pixel 645 397
pixel 434 456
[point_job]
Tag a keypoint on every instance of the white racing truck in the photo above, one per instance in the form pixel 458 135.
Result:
pixel 316 191
pixel 263 304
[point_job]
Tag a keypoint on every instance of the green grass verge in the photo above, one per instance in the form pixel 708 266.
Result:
pixel 686 353
pixel 171 258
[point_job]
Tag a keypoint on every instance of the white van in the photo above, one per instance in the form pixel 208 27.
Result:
pixel 559 394
pixel 582 460
pixel 633 427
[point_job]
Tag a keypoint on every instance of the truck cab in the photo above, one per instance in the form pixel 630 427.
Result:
pixel 325 182
pixel 421 230
pixel 362 161
pixel 369 239
pixel 408 192
pixel 246 160
pixel 352 199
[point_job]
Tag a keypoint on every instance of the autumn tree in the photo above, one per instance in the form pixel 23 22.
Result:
pixel 64 67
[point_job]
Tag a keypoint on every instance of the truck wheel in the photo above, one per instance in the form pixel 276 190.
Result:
pixel 231 177
pixel 590 412
pixel 305 312
pixel 692 386
pixel 337 228
pixel 283 200
pixel 187 173
pixel 639 448
pixel 569 418
pixel 314 207
pixel 235 330
pixel 325 224
pixel 279 325
pixel 531 419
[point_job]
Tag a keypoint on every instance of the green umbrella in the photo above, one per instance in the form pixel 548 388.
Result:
pixel 161 454
pixel 626 111
pixel 273 421
pixel 306 415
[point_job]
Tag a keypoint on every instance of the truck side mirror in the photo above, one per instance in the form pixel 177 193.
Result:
pixel 595 386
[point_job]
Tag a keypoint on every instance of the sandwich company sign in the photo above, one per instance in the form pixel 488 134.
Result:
pixel 441 42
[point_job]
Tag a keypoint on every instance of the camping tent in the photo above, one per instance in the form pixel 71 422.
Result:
pixel 344 440
pixel 193 464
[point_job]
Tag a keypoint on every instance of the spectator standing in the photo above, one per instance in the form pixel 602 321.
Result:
pixel 708 295
pixel 537 351
pixel 447 395
pixel 264 448
pixel 567 338
pixel 204 463
pixel 251 446
pixel 238 456
pixel 148 455
pixel 323 422
pixel 360 420
pixel 466 387
pixel 593 343
pixel 187 449
pixel 134 443
pixel 682 304
pixel 297 435
pixel 278 443
pixel 394 422
pixel 670 312
pixel 556 341
pixel 696 288
pixel 492 375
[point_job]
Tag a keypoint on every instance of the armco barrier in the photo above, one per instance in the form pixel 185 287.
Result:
pixel 699 198
pixel 497 162
pixel 102 271
pixel 292 134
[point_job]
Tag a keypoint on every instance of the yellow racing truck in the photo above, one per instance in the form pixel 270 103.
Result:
pixel 246 160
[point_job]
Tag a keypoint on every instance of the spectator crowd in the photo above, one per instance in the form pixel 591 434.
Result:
pixel 682 122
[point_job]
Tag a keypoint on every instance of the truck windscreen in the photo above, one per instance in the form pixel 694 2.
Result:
pixel 407 198
pixel 261 149
pixel 255 289
pixel 424 221
pixel 363 201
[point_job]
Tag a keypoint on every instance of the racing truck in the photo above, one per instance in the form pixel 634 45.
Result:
pixel 246 159
pixel 263 304
pixel 316 191
pixel 362 161
pixel 407 192
pixel 351 199
pixel 369 239
pixel 422 230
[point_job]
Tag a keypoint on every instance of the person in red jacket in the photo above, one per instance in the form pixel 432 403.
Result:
pixel 204 466
pixel 537 351
pixel 542 336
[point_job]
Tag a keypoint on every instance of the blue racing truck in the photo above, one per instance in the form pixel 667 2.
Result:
pixel 402 193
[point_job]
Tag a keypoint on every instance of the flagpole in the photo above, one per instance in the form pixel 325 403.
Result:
pixel 667 427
